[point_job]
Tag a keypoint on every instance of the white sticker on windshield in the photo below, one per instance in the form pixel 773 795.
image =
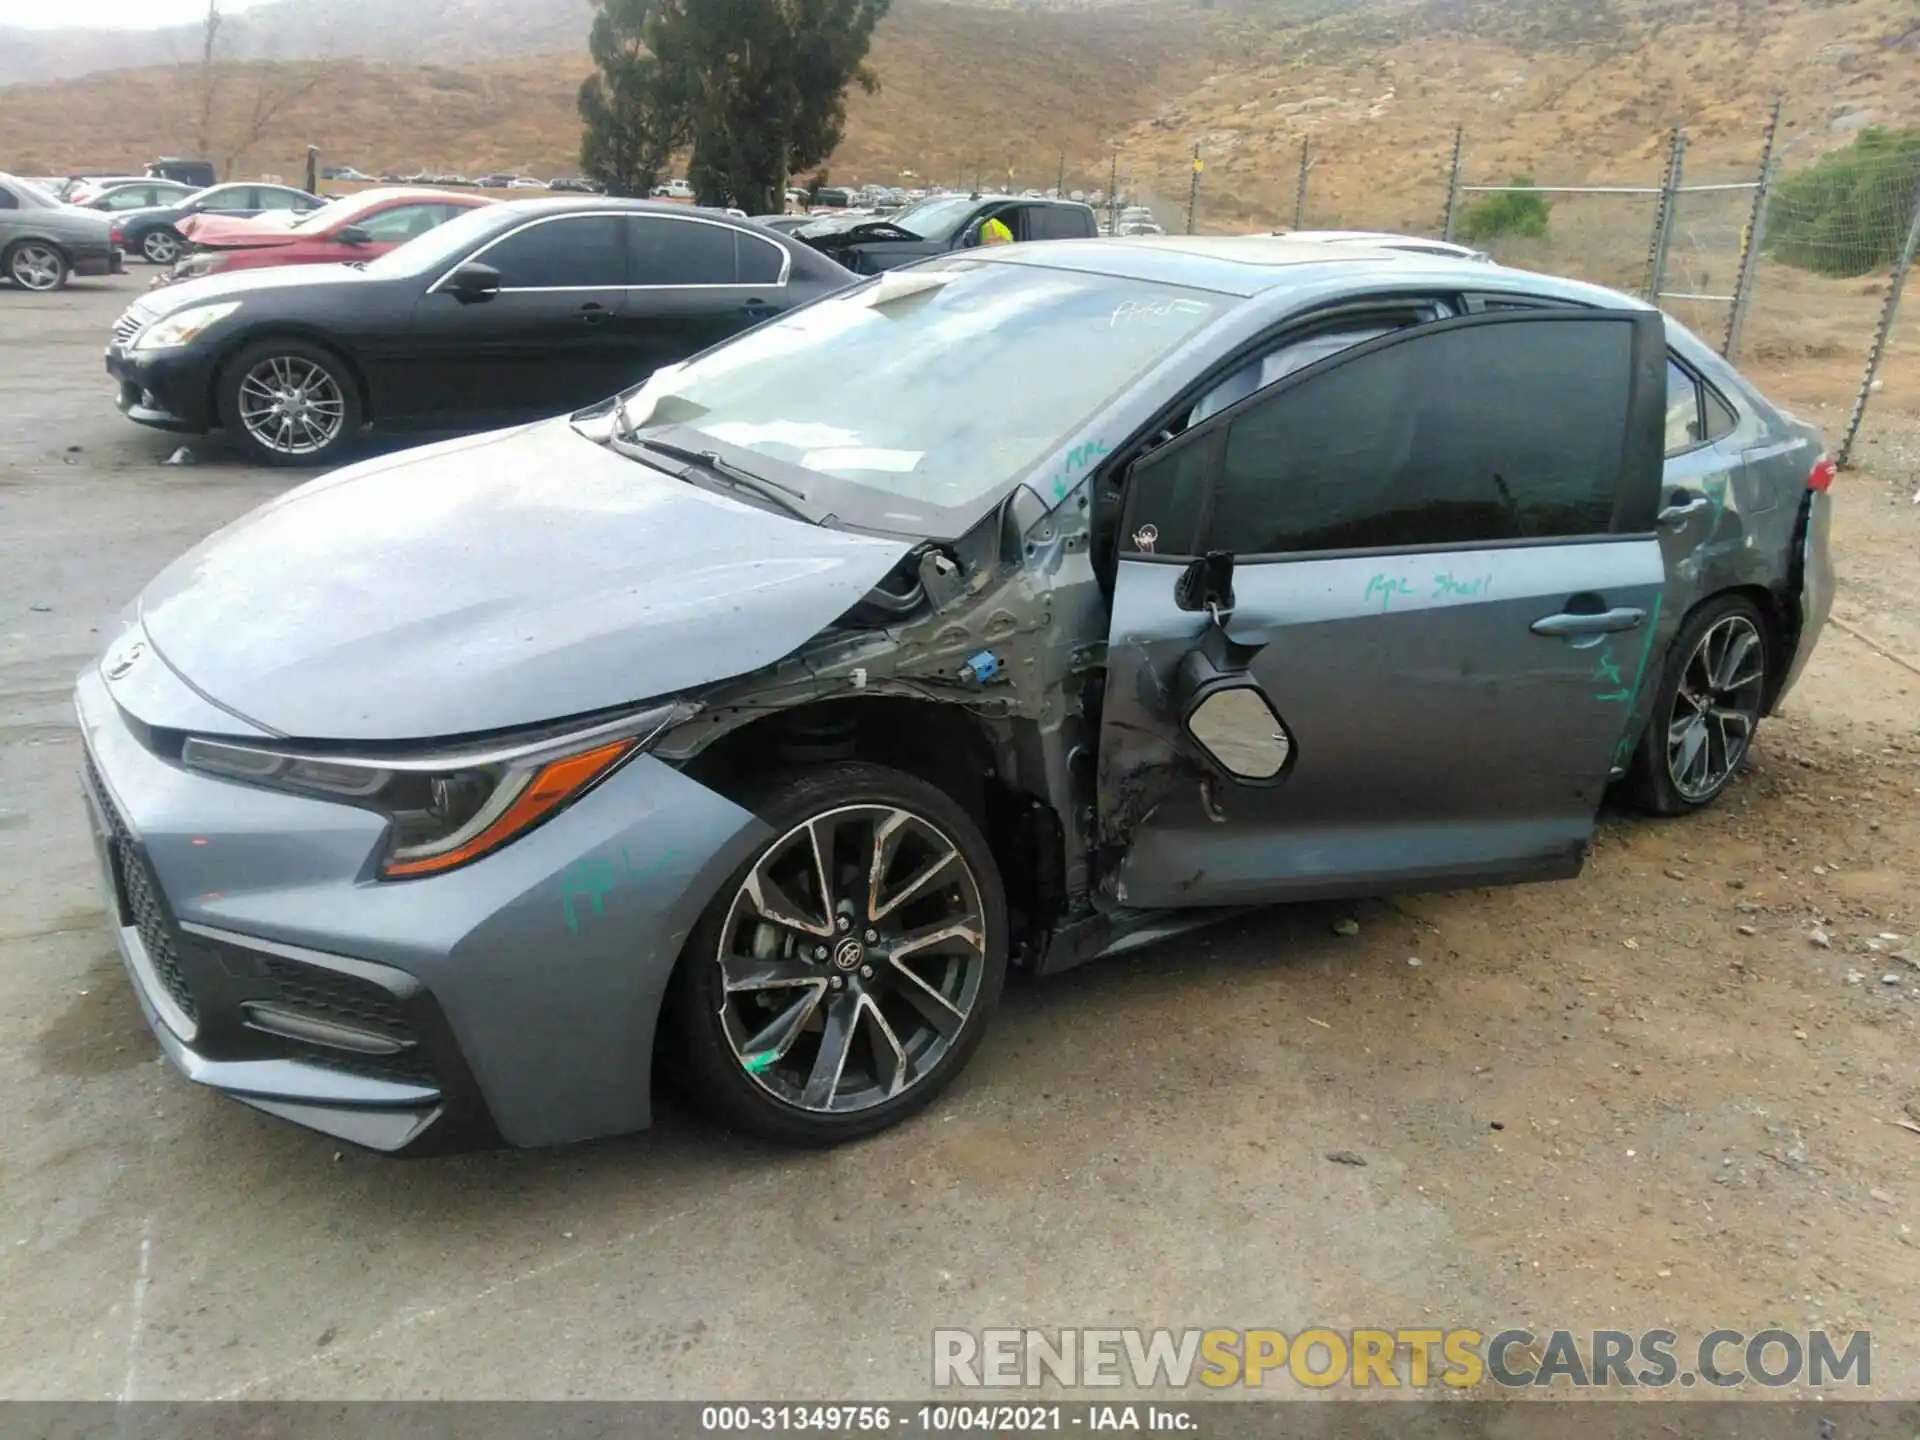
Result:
pixel 891 462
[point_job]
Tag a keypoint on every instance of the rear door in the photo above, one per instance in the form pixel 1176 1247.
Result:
pixel 694 283
pixel 1446 584
pixel 548 342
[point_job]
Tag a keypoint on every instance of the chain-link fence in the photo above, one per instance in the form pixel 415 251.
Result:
pixel 1791 262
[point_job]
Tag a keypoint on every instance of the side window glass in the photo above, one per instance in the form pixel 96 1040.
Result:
pixel 233 197
pixel 280 199
pixel 8 201
pixel 761 261
pixel 1721 418
pixel 578 253
pixel 403 222
pixel 1166 494
pixel 682 252
pixel 1483 433
pixel 1258 374
pixel 1683 409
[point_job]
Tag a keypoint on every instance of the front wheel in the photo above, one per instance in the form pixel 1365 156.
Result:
pixel 845 974
pixel 1712 691
pixel 36 265
pixel 288 402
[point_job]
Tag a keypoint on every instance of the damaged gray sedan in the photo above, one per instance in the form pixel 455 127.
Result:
pixel 1014 609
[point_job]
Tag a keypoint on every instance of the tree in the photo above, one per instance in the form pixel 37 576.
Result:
pixel 756 88
pixel 634 115
pixel 234 107
pixel 1847 214
pixel 1512 212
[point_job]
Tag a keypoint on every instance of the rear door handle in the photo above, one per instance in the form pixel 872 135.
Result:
pixel 1674 516
pixel 757 309
pixel 594 313
pixel 1607 622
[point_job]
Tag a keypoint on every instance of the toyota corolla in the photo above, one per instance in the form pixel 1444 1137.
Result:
pixel 1010 610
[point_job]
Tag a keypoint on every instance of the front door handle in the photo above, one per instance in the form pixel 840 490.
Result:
pixel 1606 622
pixel 594 313
pixel 757 309
pixel 1677 514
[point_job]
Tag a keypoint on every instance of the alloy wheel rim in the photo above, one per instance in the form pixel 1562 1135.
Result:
pixel 35 267
pixel 1716 708
pixel 161 248
pixel 851 958
pixel 291 405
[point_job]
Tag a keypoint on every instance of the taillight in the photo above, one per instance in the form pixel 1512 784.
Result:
pixel 117 235
pixel 1821 476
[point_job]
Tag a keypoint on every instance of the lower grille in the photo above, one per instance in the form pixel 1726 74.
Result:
pixel 141 900
pixel 127 326
pixel 344 999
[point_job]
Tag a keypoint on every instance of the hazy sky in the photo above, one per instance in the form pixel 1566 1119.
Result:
pixel 132 14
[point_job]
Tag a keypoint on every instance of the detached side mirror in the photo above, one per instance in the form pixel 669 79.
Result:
pixel 352 235
pixel 474 281
pixel 1234 723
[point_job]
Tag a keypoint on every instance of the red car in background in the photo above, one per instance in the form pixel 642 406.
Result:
pixel 357 227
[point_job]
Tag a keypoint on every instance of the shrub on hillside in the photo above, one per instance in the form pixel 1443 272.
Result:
pixel 1848 213
pixel 1509 213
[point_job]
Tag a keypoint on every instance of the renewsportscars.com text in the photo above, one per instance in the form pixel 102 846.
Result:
pixel 1362 1358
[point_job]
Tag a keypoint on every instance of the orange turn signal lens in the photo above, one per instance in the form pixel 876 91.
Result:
pixel 555 784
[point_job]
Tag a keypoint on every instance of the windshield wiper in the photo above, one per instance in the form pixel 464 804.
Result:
pixel 793 501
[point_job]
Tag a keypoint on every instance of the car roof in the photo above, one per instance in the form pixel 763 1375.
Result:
pixel 1248 265
pixel 587 204
pixel 390 194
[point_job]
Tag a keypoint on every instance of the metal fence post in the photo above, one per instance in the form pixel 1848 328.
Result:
pixel 1880 336
pixel 1453 185
pixel 1300 185
pixel 1663 220
pixel 1113 195
pixel 1751 238
pixel 1193 188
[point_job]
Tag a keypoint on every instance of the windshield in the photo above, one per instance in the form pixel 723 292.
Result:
pixel 904 402
pixel 439 247
pixel 327 214
pixel 934 219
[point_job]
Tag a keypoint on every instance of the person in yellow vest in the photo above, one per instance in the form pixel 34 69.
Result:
pixel 995 232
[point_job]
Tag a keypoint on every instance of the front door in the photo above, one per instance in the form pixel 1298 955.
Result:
pixel 547 342
pixel 1446 585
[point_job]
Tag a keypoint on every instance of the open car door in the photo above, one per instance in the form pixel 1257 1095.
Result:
pixel 1380 625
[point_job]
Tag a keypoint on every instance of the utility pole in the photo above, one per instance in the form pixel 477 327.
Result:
pixel 1113 195
pixel 1453 184
pixel 1300 185
pixel 1752 237
pixel 1060 190
pixel 1193 188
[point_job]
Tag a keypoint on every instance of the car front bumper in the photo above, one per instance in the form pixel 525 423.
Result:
pixel 515 997
pixel 169 390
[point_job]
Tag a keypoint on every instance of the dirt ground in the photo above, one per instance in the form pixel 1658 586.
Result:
pixel 1645 1097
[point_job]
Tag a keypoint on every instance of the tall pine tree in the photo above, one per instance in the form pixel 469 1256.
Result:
pixel 756 88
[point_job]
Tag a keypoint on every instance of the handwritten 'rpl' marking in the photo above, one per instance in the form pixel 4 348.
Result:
pixel 596 878
pixel 1386 587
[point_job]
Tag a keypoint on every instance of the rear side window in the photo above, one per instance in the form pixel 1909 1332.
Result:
pixel 761 261
pixel 280 199
pixel 1683 409
pixel 8 200
pixel 1720 416
pixel 580 252
pixel 1056 222
pixel 682 252
pixel 1455 436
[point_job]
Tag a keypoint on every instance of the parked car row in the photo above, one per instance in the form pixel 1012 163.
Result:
pixel 849 640
pixel 44 242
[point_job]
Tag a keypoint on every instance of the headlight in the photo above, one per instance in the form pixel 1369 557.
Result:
pixel 183 327
pixel 448 810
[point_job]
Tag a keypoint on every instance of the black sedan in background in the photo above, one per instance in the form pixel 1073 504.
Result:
pixel 154 232
pixel 510 312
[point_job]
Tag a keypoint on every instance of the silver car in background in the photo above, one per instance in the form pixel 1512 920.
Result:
pixel 44 243
pixel 1015 608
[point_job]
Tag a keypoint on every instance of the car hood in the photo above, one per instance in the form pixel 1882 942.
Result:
pixel 223 231
pixel 493 582
pixel 238 284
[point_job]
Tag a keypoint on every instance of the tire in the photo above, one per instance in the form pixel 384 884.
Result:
pixel 1713 686
pixel 288 402
pixel 161 246
pixel 912 1018
pixel 37 265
